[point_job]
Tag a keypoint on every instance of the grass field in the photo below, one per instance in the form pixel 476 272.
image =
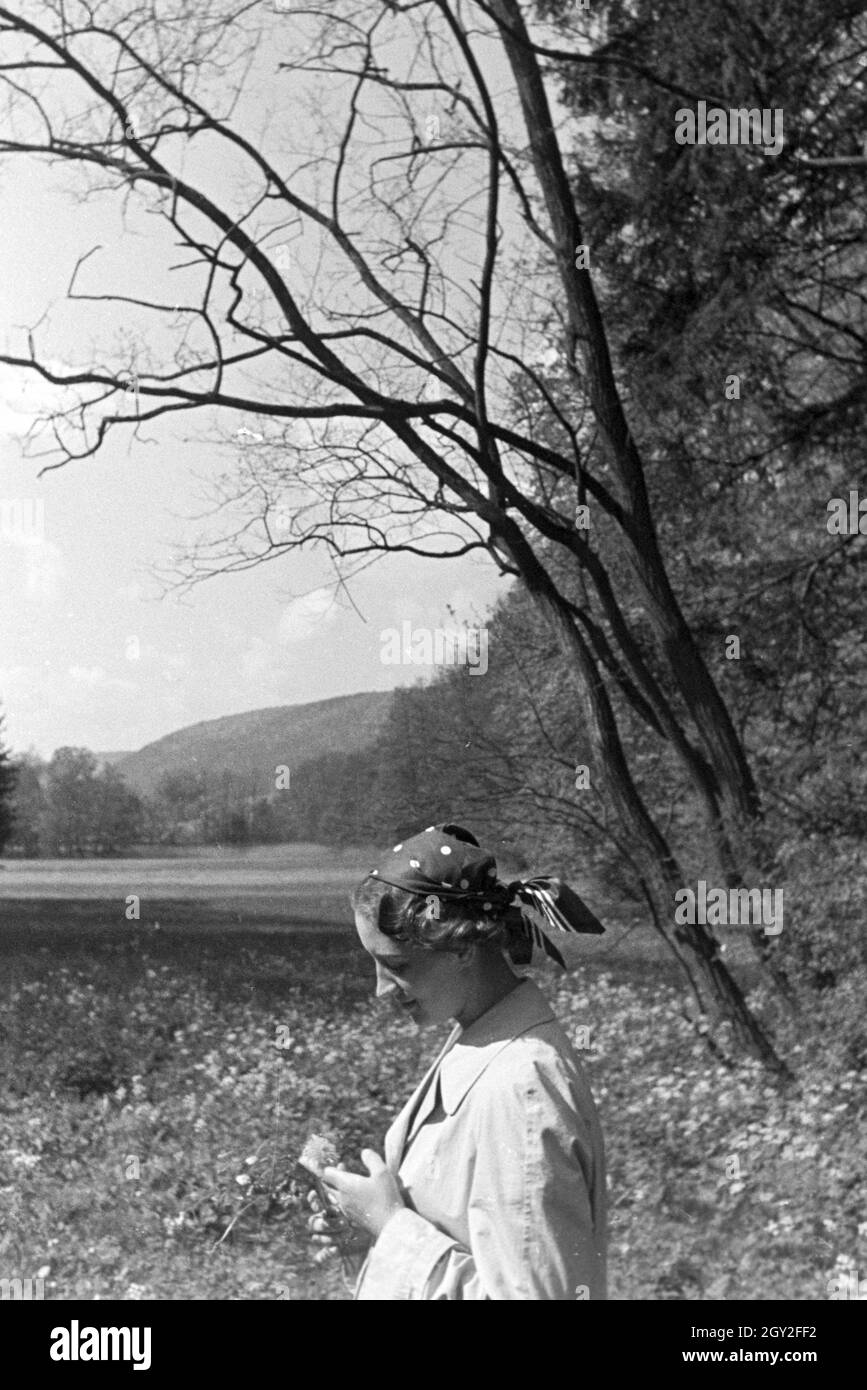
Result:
pixel 158 1083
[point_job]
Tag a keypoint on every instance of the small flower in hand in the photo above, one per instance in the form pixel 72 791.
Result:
pixel 368 1200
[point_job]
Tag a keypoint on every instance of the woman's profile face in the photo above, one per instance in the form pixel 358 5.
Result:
pixel 428 986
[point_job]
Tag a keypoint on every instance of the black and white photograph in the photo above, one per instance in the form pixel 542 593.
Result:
pixel 433 681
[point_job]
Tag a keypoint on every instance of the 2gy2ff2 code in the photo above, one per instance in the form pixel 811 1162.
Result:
pixel 723 1332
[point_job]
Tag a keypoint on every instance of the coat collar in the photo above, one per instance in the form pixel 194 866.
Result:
pixel 476 1047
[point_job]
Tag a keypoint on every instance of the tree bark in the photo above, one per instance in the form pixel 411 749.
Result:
pixel 716 992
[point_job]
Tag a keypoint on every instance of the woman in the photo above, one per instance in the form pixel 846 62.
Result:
pixel 493 1181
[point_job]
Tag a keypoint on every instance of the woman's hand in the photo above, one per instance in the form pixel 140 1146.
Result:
pixel 333 1236
pixel 368 1200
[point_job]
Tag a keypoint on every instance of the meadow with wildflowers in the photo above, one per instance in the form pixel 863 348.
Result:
pixel 158 1085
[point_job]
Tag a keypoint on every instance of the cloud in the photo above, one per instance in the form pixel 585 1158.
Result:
pixel 306 617
pixel 303 618
pixel 95 678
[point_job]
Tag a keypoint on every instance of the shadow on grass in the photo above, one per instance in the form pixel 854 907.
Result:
pixel 233 937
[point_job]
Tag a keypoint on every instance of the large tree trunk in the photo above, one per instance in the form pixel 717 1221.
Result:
pixel 731 798
pixel 684 660
pixel 717 994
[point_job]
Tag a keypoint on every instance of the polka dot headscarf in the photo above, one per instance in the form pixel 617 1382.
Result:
pixel 447 862
pixel 443 860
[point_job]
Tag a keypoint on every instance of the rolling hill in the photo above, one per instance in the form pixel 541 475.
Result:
pixel 250 746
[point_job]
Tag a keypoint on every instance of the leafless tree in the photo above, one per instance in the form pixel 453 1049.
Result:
pixel 367 306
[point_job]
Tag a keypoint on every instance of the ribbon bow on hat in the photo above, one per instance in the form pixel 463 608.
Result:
pixel 560 908
pixel 446 861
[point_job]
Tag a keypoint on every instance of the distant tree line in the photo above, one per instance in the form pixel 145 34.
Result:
pixel 8 781
pixel 72 805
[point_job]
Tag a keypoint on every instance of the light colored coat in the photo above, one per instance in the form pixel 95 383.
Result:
pixel 500 1155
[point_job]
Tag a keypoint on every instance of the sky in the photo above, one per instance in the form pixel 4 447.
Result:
pixel 93 651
